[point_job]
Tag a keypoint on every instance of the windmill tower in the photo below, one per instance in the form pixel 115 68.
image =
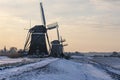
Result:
pixel 37 38
pixel 57 49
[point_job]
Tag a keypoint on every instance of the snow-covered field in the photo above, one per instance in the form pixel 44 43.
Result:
pixel 6 60
pixel 109 64
pixel 77 68
pixel 55 69
pixel 6 63
pixel 7 73
pixel 109 61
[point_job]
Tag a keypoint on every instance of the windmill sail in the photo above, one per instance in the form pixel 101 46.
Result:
pixel 52 26
pixel 42 14
pixel 44 23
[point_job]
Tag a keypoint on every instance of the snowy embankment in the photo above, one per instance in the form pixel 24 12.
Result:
pixel 6 60
pixel 108 61
pixel 19 70
pixel 111 64
pixel 6 63
pixel 65 70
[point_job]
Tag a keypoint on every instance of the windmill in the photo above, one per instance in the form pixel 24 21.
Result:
pixel 37 38
pixel 57 49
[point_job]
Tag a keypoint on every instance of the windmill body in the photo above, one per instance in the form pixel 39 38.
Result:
pixel 38 41
pixel 57 48
pixel 37 36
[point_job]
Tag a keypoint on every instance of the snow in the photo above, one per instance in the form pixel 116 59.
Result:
pixel 108 61
pixel 6 60
pixel 77 57
pixel 19 70
pixel 59 69
pixel 110 64
pixel 113 70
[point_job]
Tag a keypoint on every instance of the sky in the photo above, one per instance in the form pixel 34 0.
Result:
pixel 87 25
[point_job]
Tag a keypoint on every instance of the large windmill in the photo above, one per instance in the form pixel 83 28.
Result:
pixel 37 37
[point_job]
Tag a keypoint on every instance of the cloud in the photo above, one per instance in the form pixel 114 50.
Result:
pixel 81 17
pixel 77 11
pixel 106 4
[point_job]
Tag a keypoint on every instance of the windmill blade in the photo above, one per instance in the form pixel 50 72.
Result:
pixel 44 23
pixel 52 26
pixel 42 14
pixel 48 40
pixel 27 41
pixel 58 34
pixel 63 40
pixel 49 28
pixel 65 44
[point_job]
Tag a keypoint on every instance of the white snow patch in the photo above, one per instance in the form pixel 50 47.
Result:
pixel 81 71
pixel 19 70
pixel 6 60
pixel 65 70
pixel 113 70
pixel 108 61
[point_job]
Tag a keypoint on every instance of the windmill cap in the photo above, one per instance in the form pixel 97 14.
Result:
pixel 38 29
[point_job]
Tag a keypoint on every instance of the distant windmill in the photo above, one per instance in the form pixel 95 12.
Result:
pixel 57 49
pixel 36 38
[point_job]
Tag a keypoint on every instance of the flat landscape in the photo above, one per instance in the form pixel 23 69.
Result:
pixel 76 68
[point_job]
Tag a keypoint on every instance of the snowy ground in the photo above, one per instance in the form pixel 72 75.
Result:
pixel 77 68
pixel 6 62
pixel 109 61
pixel 7 73
pixel 58 69
pixel 109 64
